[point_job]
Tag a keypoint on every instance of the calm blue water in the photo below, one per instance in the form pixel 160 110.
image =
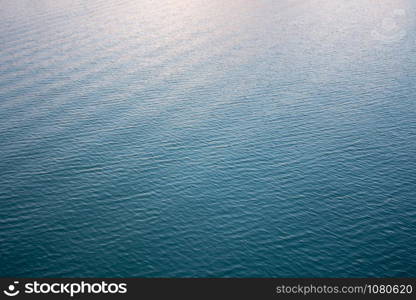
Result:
pixel 208 138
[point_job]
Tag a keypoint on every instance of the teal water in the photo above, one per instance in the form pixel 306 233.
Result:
pixel 208 138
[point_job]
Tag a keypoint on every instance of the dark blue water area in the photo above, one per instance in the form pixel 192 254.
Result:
pixel 208 139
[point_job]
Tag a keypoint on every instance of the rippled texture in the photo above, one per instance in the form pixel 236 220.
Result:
pixel 207 138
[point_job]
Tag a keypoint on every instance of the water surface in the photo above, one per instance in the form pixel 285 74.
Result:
pixel 200 138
